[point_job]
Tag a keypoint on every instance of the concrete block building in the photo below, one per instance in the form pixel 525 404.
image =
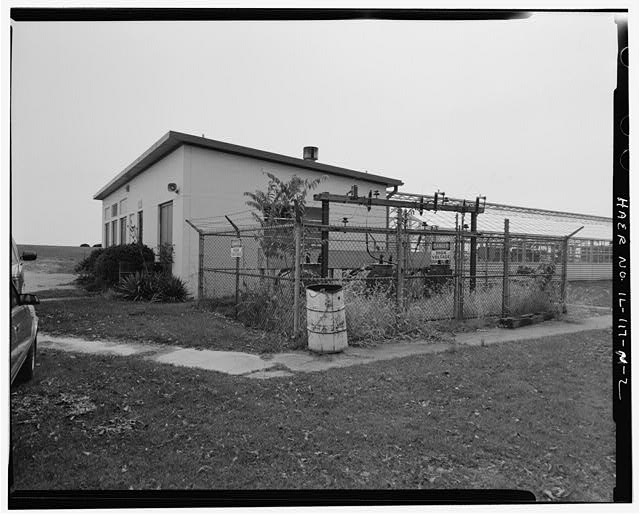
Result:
pixel 183 177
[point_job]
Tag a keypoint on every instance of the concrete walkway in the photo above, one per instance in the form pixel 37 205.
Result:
pixel 286 364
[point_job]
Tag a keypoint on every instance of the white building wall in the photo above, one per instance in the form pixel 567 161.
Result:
pixel 215 183
pixel 146 192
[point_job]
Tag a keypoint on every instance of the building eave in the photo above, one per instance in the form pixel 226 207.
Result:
pixel 173 140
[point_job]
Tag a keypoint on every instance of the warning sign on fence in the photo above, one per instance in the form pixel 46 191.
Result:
pixel 236 248
pixel 440 251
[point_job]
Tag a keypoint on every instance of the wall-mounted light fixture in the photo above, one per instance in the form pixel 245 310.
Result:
pixel 172 186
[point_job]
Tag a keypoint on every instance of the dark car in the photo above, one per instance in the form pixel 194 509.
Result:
pixel 17 272
pixel 24 335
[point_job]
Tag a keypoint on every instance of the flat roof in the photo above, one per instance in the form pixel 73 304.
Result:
pixel 173 140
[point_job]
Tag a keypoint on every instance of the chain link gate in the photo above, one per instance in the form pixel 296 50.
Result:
pixel 247 274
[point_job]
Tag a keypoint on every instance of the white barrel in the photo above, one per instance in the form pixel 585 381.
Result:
pixel 326 320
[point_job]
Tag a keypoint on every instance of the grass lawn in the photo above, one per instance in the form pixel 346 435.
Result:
pixel 533 416
pixel 183 324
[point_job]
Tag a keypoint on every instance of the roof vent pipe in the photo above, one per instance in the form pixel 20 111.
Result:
pixel 310 153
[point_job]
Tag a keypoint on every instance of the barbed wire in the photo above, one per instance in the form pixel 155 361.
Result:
pixel 521 220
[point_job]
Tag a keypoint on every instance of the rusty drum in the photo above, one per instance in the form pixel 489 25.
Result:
pixel 326 318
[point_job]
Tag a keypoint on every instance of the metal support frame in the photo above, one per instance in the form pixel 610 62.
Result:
pixel 389 231
pixel 473 254
pixel 421 203
pixel 458 276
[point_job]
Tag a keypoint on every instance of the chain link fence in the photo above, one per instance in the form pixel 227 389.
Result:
pixel 395 280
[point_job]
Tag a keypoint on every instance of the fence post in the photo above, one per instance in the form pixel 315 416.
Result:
pixel 324 236
pixel 201 266
pixel 399 260
pixel 565 261
pixel 563 284
pixel 296 274
pixel 237 299
pixel 488 247
pixel 505 270
pixel 456 279
pixel 461 277
pixel 473 256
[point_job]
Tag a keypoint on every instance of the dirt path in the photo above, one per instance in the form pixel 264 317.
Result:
pixel 278 365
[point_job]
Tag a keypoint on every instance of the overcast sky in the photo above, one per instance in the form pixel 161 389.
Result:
pixel 519 111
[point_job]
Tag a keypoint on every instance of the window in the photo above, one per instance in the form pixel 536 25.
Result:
pixel 114 232
pixel 114 210
pixel 123 230
pixel 139 226
pixel 516 254
pixel 106 234
pixel 578 253
pixel 106 214
pixel 132 223
pixel 528 253
pixel 166 223
pixel 602 252
pixel 123 207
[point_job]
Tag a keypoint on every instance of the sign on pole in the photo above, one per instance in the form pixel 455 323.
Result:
pixel 236 248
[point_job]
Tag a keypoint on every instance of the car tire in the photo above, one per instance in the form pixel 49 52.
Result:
pixel 29 366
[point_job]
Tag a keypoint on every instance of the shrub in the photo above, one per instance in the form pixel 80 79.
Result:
pixel 152 287
pixel 85 271
pixel 165 254
pixel 106 267
pixel 526 295
pixel 86 265
pixel 533 296
pixel 370 310
pixel 268 306
pixel 172 288
pixel 138 286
